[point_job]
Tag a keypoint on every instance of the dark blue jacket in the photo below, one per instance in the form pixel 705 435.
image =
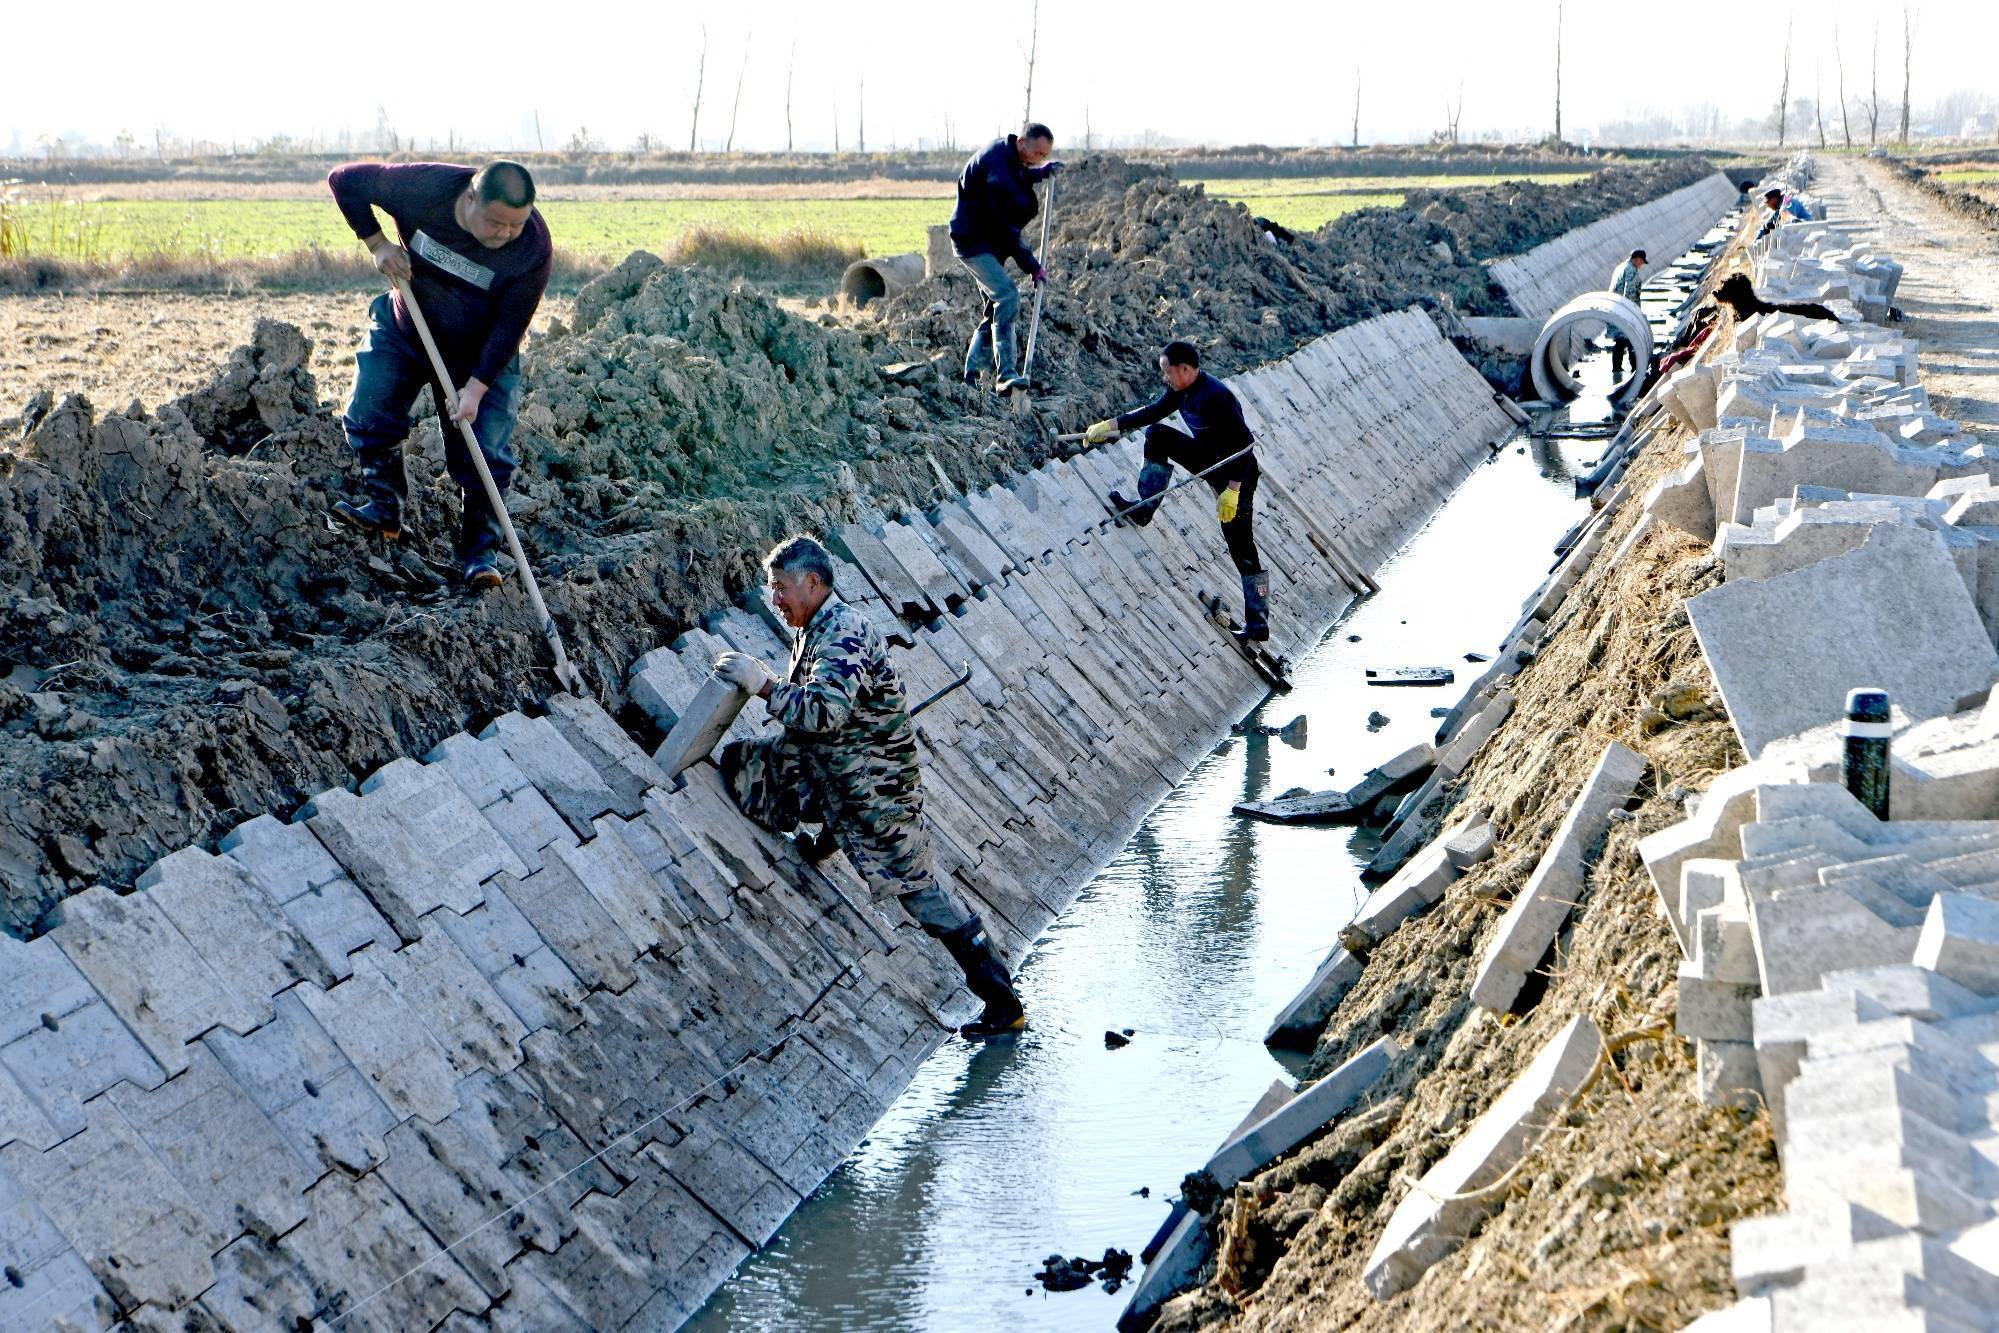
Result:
pixel 995 200
pixel 1214 417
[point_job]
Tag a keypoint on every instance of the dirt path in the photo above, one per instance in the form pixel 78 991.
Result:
pixel 1949 291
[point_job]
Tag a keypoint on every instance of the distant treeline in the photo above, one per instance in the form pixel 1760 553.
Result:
pixel 722 169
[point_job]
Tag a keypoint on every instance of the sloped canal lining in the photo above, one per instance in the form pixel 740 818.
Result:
pixel 1193 937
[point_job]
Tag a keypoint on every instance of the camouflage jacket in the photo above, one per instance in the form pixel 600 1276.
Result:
pixel 1627 282
pixel 843 705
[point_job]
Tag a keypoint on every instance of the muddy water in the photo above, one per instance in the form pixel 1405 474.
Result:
pixel 1193 937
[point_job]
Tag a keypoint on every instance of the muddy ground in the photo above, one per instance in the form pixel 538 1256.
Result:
pixel 1619 1218
pixel 185 641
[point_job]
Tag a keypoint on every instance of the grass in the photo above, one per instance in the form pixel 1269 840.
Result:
pixel 109 232
pixel 1303 185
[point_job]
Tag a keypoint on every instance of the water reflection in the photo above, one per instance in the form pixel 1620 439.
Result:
pixel 1193 937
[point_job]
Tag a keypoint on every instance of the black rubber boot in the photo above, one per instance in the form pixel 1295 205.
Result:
pixel 380 508
pixel 986 977
pixel 1255 609
pixel 815 847
pixel 384 520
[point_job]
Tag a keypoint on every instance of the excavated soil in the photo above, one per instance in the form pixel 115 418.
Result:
pixel 1619 1217
pixel 185 641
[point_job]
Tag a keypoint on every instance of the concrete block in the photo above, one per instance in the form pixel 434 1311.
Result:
pixel 1726 1074
pixel 1893 614
pixel 1538 911
pixel 1471 845
pixel 150 975
pixel 36 979
pixel 618 759
pixel 61 1066
pixel 1304 1116
pixel 1298 1024
pixel 124 1214
pixel 703 722
pixel 571 784
pixel 232 923
pixel 1431 1221
pixel 295 1074
pixel 923 566
pixel 238 1172
pixel 1457 756
pixel 21 1118
pixel 402 1061
pixel 1712 1011
pixel 438 986
pixel 1682 500
pixel 412 842
pixel 1960 941
pixel 285 859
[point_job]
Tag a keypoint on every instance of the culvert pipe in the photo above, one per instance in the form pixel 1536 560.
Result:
pixel 866 279
pixel 1565 337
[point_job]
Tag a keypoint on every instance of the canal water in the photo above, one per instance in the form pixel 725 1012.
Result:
pixel 1204 925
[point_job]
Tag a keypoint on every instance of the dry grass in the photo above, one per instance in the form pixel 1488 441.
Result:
pixel 311 268
pixel 788 257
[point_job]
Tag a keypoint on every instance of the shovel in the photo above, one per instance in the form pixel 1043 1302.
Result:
pixel 1026 377
pixel 565 671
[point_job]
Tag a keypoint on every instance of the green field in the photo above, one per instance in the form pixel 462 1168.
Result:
pixel 118 231
pixel 1969 175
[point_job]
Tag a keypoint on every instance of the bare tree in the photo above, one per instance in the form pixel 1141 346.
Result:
pixel 1818 106
pixel 1839 61
pixel 1784 91
pixel 1033 47
pixel 539 146
pixel 836 122
pixel 700 79
pixel 1874 88
pixel 861 114
pixel 789 66
pixel 1558 71
pixel 735 107
pixel 1089 135
pixel 1454 112
pixel 1908 49
pixel 1356 106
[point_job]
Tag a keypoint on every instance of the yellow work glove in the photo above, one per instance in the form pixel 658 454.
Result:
pixel 1225 504
pixel 1100 432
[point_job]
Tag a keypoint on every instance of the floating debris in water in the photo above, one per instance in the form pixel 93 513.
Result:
pixel 1377 720
pixel 1060 1274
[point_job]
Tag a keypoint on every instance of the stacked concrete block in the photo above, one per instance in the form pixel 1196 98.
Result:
pixel 530 976
pixel 1547 277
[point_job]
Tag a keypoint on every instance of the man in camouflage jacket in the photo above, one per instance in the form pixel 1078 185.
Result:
pixel 846 760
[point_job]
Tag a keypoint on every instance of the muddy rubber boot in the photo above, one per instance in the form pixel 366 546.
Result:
pixel 986 977
pixel 1255 609
pixel 380 508
pixel 1013 384
pixel 478 547
pixel 1152 479
pixel 384 520
pixel 815 847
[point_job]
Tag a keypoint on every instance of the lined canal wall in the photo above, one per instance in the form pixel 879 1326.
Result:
pixel 517 1034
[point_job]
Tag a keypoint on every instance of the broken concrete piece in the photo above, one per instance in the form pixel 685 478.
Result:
pixel 1538 911
pixel 1960 941
pixel 1432 1220
pixel 1305 1115
pixel 1892 614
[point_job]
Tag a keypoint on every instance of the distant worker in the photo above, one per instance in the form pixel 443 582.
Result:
pixel 477 254
pixel 1220 446
pixel 1782 206
pixel 996 201
pixel 1627 281
pixel 846 760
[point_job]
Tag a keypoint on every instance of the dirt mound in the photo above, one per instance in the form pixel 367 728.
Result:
pixel 1515 216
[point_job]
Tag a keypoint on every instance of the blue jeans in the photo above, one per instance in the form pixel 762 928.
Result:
pixel 1002 309
pixel 390 371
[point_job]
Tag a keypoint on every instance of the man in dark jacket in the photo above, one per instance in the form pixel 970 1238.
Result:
pixel 995 201
pixel 477 255
pixel 1219 433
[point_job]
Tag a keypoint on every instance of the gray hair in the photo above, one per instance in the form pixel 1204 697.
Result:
pixel 800 554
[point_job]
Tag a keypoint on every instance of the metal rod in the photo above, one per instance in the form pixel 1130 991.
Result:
pixel 964 679
pixel 1034 322
pixel 565 671
pixel 1103 524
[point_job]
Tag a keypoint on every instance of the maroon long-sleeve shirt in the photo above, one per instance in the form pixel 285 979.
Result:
pixel 478 301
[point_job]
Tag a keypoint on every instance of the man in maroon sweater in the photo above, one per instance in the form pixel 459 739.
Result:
pixel 477 255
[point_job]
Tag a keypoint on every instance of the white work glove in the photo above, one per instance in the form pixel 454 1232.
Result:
pixel 743 671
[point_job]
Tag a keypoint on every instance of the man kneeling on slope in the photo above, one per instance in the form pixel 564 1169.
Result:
pixel 1219 434
pixel 846 759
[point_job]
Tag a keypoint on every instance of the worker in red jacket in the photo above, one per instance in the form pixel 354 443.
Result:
pixel 477 254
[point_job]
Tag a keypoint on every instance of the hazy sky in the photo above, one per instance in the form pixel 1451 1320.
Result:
pixel 1217 73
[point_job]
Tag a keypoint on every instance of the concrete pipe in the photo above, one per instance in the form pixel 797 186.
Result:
pixel 866 279
pixel 1565 338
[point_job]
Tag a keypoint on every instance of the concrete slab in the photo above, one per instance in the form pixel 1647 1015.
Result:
pixel 1892 614
pixel 1538 911
pixel 1432 1220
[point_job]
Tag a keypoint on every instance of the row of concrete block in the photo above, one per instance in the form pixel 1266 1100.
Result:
pixel 1547 277
pixel 1838 967
pixel 594 1031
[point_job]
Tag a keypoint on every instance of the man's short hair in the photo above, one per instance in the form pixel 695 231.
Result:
pixel 1180 353
pixel 504 182
pixel 800 555
pixel 1034 129
pixel 1639 255
pixel 1773 194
